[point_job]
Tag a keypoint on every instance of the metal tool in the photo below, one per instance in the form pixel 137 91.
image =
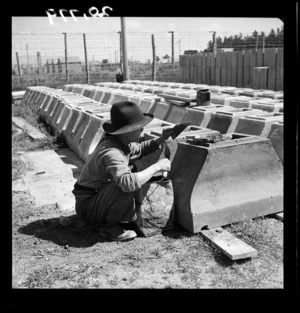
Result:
pixel 177 130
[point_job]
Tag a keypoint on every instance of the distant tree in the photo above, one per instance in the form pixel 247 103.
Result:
pixel 240 42
pixel 166 57
pixel 157 59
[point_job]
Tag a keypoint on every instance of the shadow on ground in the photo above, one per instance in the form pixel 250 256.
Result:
pixel 75 235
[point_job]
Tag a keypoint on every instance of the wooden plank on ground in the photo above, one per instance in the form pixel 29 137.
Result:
pixel 203 63
pixel 228 68
pixel 240 74
pixel 199 68
pixel 33 132
pixel 223 68
pixel 212 69
pixel 279 69
pixel 234 69
pixel 270 62
pixel 231 246
pixel 218 69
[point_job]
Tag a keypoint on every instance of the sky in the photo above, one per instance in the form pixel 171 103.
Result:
pixel 32 34
pixel 145 24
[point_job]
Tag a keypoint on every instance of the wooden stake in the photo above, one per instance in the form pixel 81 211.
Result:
pixel 86 61
pixel 154 60
pixel 19 70
pixel 66 57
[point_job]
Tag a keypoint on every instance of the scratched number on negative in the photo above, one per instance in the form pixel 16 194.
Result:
pixel 93 11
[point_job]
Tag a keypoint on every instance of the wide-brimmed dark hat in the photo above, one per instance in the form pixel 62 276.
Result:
pixel 126 117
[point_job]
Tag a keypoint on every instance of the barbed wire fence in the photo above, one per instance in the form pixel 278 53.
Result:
pixel 39 58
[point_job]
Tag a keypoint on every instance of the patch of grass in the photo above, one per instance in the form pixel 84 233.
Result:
pixel 22 142
pixel 40 278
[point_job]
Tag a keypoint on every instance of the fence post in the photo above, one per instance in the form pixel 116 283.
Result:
pixel 19 70
pixel 38 55
pixel 66 57
pixel 86 61
pixel 154 60
pixel 172 32
pixel 124 50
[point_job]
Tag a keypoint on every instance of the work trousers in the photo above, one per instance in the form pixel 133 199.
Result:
pixel 106 206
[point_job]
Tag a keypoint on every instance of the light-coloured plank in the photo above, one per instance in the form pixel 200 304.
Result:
pixel 231 246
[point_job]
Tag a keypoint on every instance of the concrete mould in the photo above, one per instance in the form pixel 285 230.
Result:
pixel 200 115
pixel 216 184
pixel 221 99
pixel 276 137
pixel 226 121
pixel 266 104
pixel 169 149
pixel 258 125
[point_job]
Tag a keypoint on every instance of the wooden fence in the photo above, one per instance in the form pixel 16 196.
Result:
pixel 246 68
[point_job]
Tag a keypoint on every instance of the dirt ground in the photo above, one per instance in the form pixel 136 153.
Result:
pixel 46 254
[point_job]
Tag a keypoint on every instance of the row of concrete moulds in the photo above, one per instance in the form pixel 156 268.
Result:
pixel 83 131
pixel 216 89
pixel 98 93
pixel 220 183
pixel 266 104
pixel 60 109
pixel 164 110
pixel 216 117
pixel 219 94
